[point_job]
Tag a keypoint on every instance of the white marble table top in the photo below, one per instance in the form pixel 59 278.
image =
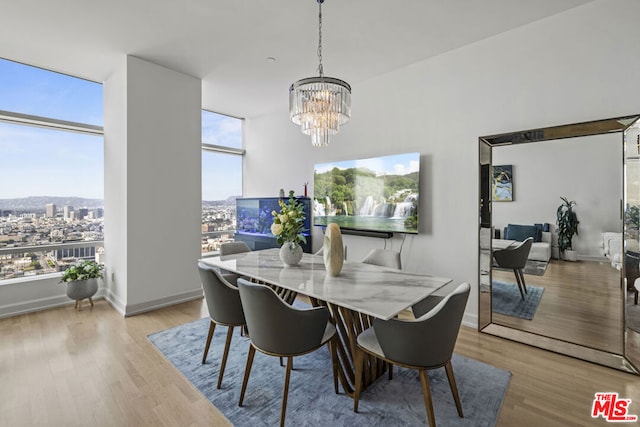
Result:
pixel 369 289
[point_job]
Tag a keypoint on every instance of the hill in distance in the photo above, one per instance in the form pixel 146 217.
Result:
pixel 38 203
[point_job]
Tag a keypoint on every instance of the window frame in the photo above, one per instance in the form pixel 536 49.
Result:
pixel 34 121
pixel 221 149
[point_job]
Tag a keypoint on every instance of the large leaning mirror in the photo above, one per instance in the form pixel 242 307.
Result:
pixel 540 283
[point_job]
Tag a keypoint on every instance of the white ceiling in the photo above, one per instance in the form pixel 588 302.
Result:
pixel 227 43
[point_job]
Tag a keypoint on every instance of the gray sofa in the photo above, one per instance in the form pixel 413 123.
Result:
pixel 541 247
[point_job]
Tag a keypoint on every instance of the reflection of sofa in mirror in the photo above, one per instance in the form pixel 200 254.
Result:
pixel 541 247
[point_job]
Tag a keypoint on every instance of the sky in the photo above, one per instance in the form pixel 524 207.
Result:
pixel 221 173
pixel 43 162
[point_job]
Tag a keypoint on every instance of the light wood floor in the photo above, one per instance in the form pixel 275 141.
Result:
pixel 581 303
pixel 94 368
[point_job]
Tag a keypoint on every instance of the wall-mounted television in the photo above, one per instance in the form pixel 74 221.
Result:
pixel 378 194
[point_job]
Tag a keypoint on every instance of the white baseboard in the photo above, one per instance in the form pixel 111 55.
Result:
pixel 470 320
pixel 40 304
pixel 47 303
pixel 592 258
pixel 115 302
pixel 133 309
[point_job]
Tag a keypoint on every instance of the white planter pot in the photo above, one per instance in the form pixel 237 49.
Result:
pixel 570 255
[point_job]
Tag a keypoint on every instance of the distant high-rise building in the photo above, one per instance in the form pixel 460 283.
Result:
pixel 50 210
pixel 67 211
pixel 82 213
pixel 96 213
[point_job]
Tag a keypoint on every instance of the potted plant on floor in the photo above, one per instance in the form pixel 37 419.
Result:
pixel 567 221
pixel 82 280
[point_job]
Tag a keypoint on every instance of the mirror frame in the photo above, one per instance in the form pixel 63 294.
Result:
pixel 626 362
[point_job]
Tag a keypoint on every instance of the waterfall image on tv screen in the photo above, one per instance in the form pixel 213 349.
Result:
pixel 375 194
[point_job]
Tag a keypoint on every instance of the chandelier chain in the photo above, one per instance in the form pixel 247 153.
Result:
pixel 320 70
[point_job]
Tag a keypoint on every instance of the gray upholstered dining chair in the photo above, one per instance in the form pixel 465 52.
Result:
pixel 277 329
pixel 384 258
pixel 230 248
pixel 225 308
pixel 515 258
pixel 424 343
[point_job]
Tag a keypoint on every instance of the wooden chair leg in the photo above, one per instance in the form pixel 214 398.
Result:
pixel 515 271
pixel 426 392
pixel 524 285
pixel 247 372
pixel 390 367
pixel 454 388
pixel 227 344
pixel 285 393
pixel 212 326
pixel 359 365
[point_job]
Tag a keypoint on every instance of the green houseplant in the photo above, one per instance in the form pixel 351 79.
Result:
pixel 82 280
pixel 288 227
pixel 567 221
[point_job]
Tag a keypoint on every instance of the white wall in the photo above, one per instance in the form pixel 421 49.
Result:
pixel 576 66
pixel 115 188
pixel 587 170
pixel 153 186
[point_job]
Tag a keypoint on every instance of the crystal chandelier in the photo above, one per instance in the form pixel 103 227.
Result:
pixel 319 105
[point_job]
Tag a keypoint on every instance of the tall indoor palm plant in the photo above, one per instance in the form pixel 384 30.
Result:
pixel 567 221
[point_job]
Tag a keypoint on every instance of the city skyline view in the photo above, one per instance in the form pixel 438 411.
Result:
pixel 52 180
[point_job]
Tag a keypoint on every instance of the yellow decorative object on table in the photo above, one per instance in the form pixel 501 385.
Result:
pixel 333 250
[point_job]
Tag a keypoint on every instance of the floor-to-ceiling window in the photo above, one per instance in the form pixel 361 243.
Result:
pixel 221 177
pixel 51 171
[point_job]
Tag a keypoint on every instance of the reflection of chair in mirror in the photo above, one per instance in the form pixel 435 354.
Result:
pixel 632 272
pixel 277 329
pixel 424 343
pixel 515 258
pixel 230 248
pixel 225 308
pixel 384 258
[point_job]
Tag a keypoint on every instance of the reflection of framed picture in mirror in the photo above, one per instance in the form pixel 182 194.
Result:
pixel 502 183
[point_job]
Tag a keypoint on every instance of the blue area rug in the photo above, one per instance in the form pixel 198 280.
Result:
pixel 506 299
pixel 312 400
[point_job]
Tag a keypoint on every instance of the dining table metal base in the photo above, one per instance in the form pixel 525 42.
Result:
pixel 349 324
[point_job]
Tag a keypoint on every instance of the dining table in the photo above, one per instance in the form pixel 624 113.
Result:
pixel 360 293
